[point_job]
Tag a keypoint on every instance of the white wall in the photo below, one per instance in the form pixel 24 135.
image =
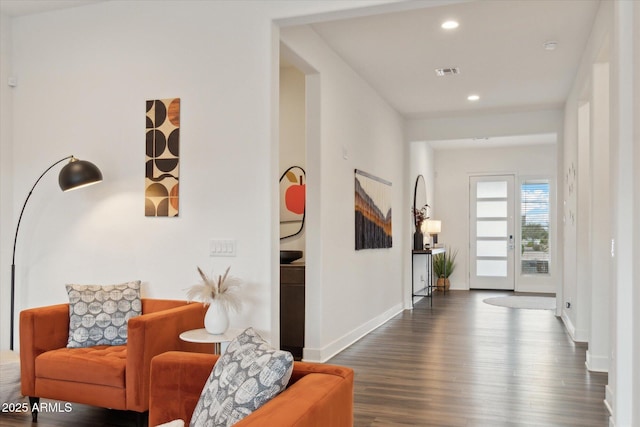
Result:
pixel 6 170
pixel 84 75
pixel 453 168
pixel 576 194
pixel 577 186
pixel 600 209
pixel 623 384
pixel 350 291
pixel 87 94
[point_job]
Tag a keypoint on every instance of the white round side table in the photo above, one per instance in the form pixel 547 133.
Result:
pixel 202 336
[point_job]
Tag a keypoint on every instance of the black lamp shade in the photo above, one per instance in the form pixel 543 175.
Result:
pixel 78 173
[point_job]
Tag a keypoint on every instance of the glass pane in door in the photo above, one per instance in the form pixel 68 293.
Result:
pixel 491 229
pixel 491 268
pixel 492 189
pixel 491 248
pixel 494 209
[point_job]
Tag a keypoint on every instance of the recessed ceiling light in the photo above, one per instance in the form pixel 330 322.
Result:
pixel 550 45
pixel 473 97
pixel 450 25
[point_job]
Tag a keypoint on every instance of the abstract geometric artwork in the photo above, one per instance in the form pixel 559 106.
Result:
pixel 373 211
pixel 162 169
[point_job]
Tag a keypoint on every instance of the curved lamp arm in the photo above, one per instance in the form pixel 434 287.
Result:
pixel 15 239
pixel 85 173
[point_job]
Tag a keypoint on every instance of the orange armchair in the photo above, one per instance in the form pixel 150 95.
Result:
pixel 114 377
pixel 318 395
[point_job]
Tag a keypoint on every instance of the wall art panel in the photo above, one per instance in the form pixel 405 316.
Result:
pixel 162 168
pixel 372 211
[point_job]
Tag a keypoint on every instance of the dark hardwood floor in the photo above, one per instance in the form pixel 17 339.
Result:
pixel 460 363
pixel 467 363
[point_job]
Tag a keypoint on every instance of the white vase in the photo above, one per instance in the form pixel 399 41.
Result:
pixel 216 320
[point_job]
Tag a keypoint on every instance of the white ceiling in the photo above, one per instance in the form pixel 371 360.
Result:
pixel 498 49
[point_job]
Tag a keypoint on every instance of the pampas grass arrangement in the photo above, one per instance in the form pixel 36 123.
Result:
pixel 224 289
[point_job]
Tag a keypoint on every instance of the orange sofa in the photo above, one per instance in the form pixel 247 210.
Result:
pixel 114 377
pixel 318 395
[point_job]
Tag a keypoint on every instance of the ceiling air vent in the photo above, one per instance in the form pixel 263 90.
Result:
pixel 441 72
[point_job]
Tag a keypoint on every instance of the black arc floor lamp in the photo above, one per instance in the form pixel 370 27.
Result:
pixel 75 174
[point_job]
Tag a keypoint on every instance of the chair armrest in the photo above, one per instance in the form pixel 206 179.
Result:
pixel 150 335
pixel 316 400
pixel 151 305
pixel 301 369
pixel 177 379
pixel 41 329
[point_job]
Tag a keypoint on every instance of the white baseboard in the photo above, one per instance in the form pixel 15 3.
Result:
pixel 568 324
pixel 577 335
pixel 596 363
pixel 321 355
pixel 608 403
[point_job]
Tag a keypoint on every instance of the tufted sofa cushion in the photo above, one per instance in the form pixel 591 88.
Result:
pixel 103 364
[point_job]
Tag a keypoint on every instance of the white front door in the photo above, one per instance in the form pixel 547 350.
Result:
pixel 492 232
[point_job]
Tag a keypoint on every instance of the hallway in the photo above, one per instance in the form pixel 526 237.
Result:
pixel 467 363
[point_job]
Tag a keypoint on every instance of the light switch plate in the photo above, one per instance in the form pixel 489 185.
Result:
pixel 222 247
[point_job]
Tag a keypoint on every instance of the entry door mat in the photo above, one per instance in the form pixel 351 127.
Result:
pixel 526 302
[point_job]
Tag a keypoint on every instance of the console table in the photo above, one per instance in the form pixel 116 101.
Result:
pixel 427 256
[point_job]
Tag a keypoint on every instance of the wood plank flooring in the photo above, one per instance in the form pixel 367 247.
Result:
pixel 460 363
pixel 467 363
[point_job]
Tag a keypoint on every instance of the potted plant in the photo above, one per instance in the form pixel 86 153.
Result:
pixel 443 265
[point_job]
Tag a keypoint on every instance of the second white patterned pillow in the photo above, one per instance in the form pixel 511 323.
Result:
pixel 245 377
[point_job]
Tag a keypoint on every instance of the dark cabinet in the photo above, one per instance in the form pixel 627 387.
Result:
pixel 292 309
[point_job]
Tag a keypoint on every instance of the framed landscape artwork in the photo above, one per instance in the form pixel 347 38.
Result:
pixel 372 211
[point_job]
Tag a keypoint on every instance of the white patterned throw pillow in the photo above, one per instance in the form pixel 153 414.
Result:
pixel 246 376
pixel 98 315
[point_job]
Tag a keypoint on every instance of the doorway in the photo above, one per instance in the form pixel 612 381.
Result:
pixel 491 232
pixel 307 140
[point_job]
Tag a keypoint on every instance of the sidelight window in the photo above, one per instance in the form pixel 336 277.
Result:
pixel 534 214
